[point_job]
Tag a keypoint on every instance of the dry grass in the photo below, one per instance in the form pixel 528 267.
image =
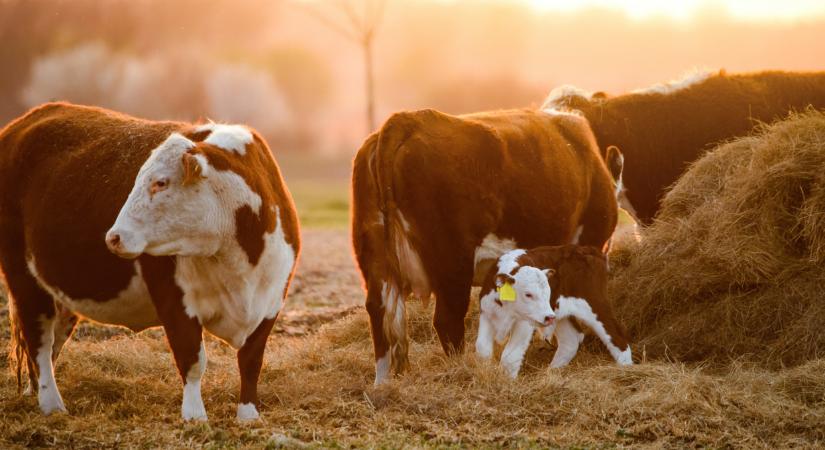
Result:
pixel 317 390
pixel 727 282
pixel 733 267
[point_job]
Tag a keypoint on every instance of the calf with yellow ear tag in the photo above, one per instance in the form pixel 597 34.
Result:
pixel 514 301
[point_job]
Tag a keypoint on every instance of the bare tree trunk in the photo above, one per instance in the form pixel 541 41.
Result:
pixel 370 84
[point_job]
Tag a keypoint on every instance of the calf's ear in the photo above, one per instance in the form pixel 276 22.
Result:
pixel 549 273
pixel 503 278
pixel 194 168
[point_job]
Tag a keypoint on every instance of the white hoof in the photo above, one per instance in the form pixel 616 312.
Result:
pixel 50 401
pixel 247 412
pixel 194 414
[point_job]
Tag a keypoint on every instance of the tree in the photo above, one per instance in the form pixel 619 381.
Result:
pixel 359 25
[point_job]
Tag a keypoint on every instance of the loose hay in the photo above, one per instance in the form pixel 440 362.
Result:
pixel 317 390
pixel 733 266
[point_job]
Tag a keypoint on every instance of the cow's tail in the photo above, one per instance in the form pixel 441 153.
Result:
pixel 404 268
pixel 18 355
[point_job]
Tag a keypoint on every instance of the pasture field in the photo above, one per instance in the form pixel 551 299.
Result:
pixel 123 391
pixel 725 321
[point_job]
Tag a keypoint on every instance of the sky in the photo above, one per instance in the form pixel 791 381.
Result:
pixel 681 10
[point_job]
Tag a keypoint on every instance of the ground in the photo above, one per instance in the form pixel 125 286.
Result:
pixel 122 389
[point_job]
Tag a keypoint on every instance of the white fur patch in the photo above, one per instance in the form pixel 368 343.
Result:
pixel 581 310
pixel 231 297
pixel 410 263
pixel 507 262
pixel 228 137
pixel 192 408
pixel 568 339
pixel 685 81
pixel 131 308
pixel 562 112
pixel 557 99
pixel 247 412
pixel 382 369
pixel 48 395
pixel 577 235
pixel 492 247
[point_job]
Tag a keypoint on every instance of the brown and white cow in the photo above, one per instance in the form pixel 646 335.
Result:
pixel 437 196
pixel 561 291
pixel 204 226
pixel 662 129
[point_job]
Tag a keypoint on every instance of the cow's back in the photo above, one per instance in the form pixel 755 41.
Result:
pixel 661 133
pixel 65 172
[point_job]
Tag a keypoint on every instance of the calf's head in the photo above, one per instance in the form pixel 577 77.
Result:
pixel 173 209
pixel 532 294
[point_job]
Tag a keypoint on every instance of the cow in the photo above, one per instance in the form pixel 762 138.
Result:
pixel 438 198
pixel 559 290
pixel 662 129
pixel 138 223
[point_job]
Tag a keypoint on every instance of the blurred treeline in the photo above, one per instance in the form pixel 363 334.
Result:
pixel 274 65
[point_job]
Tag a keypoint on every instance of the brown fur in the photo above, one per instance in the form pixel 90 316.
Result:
pixel 661 134
pixel 65 171
pixel 518 174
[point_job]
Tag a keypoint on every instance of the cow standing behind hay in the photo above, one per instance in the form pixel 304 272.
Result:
pixel 437 198
pixel 202 220
pixel 569 298
pixel 662 129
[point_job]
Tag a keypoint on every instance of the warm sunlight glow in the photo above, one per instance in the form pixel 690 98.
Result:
pixel 757 10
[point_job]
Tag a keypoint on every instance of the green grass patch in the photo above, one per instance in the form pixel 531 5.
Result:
pixel 321 204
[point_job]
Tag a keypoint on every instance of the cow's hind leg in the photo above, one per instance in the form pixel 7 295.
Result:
pixel 33 319
pixel 184 333
pixel 65 323
pixel 250 360
pixel 452 299
pixel 388 324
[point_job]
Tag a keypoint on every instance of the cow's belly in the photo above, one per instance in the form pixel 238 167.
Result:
pixel 132 307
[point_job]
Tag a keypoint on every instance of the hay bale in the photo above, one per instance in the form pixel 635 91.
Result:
pixel 733 266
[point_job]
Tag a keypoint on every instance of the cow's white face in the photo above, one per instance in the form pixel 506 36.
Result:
pixel 532 301
pixel 172 209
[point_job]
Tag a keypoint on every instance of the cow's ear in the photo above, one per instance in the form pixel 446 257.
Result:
pixel 549 273
pixel 503 278
pixel 194 168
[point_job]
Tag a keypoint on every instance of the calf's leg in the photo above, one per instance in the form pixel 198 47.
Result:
pixel 568 339
pixel 513 353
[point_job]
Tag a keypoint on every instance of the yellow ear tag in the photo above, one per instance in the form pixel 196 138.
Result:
pixel 506 293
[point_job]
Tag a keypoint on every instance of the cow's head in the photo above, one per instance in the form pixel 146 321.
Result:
pixel 532 294
pixel 173 209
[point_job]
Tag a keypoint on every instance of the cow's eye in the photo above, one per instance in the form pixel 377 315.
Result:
pixel 159 185
pixel 529 296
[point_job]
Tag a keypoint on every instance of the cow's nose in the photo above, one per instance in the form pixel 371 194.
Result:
pixel 548 320
pixel 113 241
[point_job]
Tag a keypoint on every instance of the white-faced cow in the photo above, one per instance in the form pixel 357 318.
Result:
pixel 437 196
pixel 661 130
pixel 205 229
pixel 570 298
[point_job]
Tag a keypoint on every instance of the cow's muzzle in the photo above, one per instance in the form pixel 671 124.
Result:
pixel 124 244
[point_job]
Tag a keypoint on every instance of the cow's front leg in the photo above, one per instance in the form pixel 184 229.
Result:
pixel 250 360
pixel 184 332
pixel 513 353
